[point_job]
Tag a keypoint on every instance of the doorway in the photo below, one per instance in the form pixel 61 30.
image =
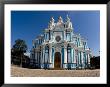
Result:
pixel 57 61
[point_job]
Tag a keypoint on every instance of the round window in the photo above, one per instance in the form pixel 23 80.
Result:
pixel 58 38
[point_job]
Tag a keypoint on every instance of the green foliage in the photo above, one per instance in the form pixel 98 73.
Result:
pixel 17 52
pixel 19 46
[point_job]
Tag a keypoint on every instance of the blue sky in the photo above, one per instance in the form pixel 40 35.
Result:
pixel 27 25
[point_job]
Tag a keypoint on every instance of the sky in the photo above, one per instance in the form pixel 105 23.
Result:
pixel 27 25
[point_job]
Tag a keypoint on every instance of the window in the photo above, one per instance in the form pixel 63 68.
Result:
pixel 68 36
pixel 58 38
pixel 47 36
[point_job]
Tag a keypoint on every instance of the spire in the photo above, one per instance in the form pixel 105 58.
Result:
pixel 52 20
pixel 68 22
pixel 51 23
pixel 68 19
pixel 60 19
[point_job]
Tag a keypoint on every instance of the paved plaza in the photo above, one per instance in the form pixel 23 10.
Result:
pixel 24 72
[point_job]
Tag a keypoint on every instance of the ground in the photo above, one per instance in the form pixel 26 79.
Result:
pixel 24 72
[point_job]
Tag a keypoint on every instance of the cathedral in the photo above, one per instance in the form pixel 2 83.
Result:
pixel 60 48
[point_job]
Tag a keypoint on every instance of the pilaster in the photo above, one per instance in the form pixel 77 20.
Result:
pixel 82 57
pixel 43 55
pixel 64 35
pixel 74 59
pixel 88 58
pixel 72 55
pixel 50 54
pixel 53 57
pixel 78 57
pixel 65 54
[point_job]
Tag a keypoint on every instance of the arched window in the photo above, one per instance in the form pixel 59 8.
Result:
pixel 84 44
pixel 68 36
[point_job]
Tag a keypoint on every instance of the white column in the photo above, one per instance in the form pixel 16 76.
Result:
pixel 72 55
pixel 64 36
pixel 74 58
pixel 65 55
pixel 88 59
pixel 82 63
pixel 71 36
pixel 51 35
pixel 82 57
pixel 41 57
pixel 53 51
pixel 50 54
pixel 79 57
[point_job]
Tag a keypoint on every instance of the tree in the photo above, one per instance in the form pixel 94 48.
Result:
pixel 95 62
pixel 18 50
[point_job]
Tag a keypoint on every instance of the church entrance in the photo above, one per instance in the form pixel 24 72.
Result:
pixel 57 61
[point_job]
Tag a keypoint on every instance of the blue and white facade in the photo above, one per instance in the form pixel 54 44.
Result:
pixel 60 45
